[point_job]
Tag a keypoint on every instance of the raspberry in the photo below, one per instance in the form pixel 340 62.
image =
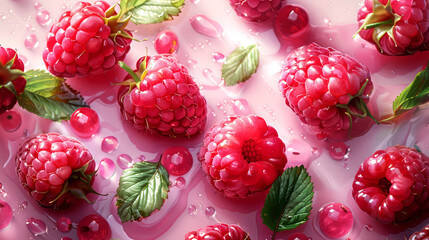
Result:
pixel 220 231
pixel 256 10
pixel 397 27
pixel 421 235
pixel 83 41
pixel 165 100
pixel 11 70
pixel 242 155
pixel 392 184
pixel 55 169
pixel 325 88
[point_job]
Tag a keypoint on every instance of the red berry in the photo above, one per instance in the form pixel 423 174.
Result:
pixel 93 227
pixel 11 70
pixel 325 88
pixel 421 235
pixel 298 236
pixel 6 214
pixel 81 42
pixel 52 168
pixel 10 120
pixel 256 10
pixel 166 42
pixel 220 231
pixel 85 122
pixel 63 224
pixel 335 220
pixel 242 155
pixel 167 101
pixel 392 184
pixel 399 29
pixel 291 22
pixel 177 161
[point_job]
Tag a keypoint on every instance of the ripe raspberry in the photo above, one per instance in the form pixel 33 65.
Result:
pixel 85 41
pixel 325 88
pixel 396 27
pixel 219 231
pixel 242 155
pixel 393 184
pixel 422 235
pixel 256 10
pixel 55 170
pixel 165 99
pixel 11 71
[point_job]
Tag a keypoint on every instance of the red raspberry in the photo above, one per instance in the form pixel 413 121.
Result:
pixel 220 231
pixel 242 155
pixel 396 27
pixel 325 88
pixel 55 169
pixel 11 70
pixel 84 41
pixel 421 235
pixel 166 101
pixel 256 10
pixel 393 184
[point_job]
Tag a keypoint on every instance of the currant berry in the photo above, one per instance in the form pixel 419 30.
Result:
pixel 177 161
pixel 298 236
pixel 336 220
pixel 93 227
pixel 10 120
pixel 291 22
pixel 166 42
pixel 85 122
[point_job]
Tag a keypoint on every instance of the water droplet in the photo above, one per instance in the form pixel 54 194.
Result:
pixel 192 63
pixel 37 5
pixel 109 144
pixel 298 150
pixel 177 160
pixel 210 212
pixel 124 161
pixel 63 224
pixel 2 16
pixel 195 1
pixel 241 107
pixel 24 59
pixel 2 191
pixel 31 41
pixel 192 209
pixel 107 168
pixel 206 26
pixel 36 226
pixel 369 228
pixel 180 182
pixel 338 150
pixel 6 214
pixel 10 120
pixel 43 18
pixel 25 134
pixel 207 73
pixel 218 57
pixel 23 205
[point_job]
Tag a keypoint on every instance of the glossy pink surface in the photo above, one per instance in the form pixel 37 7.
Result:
pixel 332 23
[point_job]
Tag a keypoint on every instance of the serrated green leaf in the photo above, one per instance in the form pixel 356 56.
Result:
pixel 289 202
pixel 415 94
pixel 240 65
pixel 151 11
pixel 49 97
pixel 142 189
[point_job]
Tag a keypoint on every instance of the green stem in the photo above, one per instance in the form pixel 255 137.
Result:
pixel 377 24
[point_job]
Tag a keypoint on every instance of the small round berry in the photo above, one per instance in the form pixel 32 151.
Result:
pixel 93 227
pixel 10 120
pixel 336 220
pixel 63 224
pixel 166 42
pixel 291 22
pixel 85 122
pixel 177 161
pixel 298 236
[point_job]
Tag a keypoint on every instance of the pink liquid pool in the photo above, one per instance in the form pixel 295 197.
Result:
pixel 207 30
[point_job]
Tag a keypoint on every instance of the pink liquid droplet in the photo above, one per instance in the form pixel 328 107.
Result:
pixel 37 5
pixel 177 160
pixel 338 150
pixel 43 18
pixel 85 122
pixel 180 182
pixel 336 220
pixel 241 107
pixel 218 57
pixel 6 214
pixel 192 209
pixel 124 161
pixel 195 1
pixel 63 224
pixel 210 211
pixel 31 41
pixel 166 42
pixel 299 151
pixel 192 63
pixel 36 226
pixel 93 227
pixel 109 144
pixel 107 168
pixel 206 26
pixel 207 73
pixel 10 120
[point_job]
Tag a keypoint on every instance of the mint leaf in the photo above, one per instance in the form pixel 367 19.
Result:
pixel 49 97
pixel 142 189
pixel 151 11
pixel 289 201
pixel 415 94
pixel 240 64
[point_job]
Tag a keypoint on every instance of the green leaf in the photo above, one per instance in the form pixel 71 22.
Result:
pixel 151 11
pixel 49 97
pixel 142 189
pixel 240 64
pixel 415 94
pixel 289 201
